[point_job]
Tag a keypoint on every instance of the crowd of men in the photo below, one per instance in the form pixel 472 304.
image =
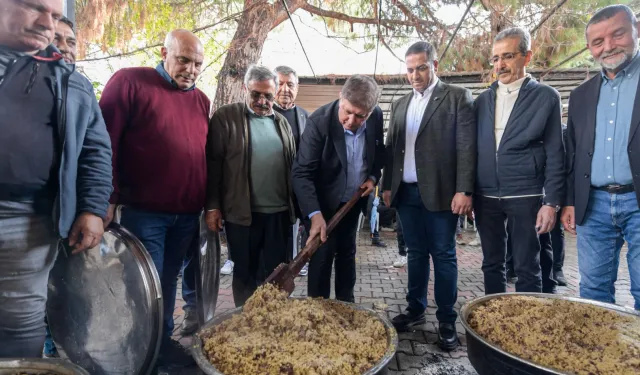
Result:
pixel 258 166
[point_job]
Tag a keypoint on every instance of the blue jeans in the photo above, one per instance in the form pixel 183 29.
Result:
pixel 167 238
pixel 610 220
pixel 428 233
pixel 189 276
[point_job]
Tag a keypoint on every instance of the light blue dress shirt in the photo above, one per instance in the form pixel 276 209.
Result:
pixel 610 163
pixel 356 162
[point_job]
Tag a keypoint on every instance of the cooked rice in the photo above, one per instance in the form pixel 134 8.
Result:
pixel 278 335
pixel 576 338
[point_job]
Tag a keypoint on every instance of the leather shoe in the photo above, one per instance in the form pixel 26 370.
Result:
pixel 559 277
pixel 447 337
pixel 190 322
pixel 407 321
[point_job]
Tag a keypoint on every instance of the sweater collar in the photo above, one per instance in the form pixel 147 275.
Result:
pixel 163 73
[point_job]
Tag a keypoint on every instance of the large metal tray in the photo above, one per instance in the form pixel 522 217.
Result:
pixel 34 366
pixel 379 369
pixel 489 359
pixel 105 306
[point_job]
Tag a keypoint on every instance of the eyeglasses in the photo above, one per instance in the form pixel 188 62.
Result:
pixel 255 95
pixel 505 57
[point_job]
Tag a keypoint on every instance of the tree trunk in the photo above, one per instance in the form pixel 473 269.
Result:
pixel 245 49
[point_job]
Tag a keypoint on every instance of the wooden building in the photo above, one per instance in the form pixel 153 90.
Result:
pixel 315 93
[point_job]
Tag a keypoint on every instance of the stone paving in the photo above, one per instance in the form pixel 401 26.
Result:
pixel 381 285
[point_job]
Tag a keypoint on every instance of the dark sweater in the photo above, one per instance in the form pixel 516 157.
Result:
pixel 158 135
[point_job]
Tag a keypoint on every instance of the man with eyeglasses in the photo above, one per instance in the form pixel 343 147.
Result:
pixel 157 119
pixel 520 174
pixel 603 157
pixel 428 177
pixel 250 151
pixel 342 150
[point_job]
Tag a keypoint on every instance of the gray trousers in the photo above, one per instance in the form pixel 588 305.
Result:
pixel 28 248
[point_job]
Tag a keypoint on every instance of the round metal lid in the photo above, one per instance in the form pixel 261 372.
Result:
pixel 105 306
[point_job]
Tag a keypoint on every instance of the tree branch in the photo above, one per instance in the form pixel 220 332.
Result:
pixel 384 43
pixel 546 17
pixel 418 22
pixel 350 19
pixel 444 53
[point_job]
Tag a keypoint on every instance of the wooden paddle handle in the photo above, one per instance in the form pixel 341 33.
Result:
pixel 305 254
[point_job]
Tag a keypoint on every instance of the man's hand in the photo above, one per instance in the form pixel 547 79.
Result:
pixel 461 204
pixel 368 186
pixel 386 197
pixel 214 220
pixel 111 211
pixel 568 219
pixel 546 219
pixel 86 232
pixel 318 226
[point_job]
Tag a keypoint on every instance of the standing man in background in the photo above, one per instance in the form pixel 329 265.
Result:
pixel 296 116
pixel 429 177
pixel 157 120
pixel 65 40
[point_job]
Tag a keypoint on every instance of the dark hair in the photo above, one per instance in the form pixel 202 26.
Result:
pixel 362 91
pixel 67 22
pixel 611 11
pixel 422 47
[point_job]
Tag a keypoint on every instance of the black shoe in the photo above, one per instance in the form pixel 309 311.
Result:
pixel 559 277
pixel 190 322
pixel 447 337
pixel 407 321
pixel 378 243
pixel 172 354
pixel 512 280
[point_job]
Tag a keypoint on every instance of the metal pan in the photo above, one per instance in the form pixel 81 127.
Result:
pixel 39 366
pixel 105 306
pixel 379 369
pixel 489 359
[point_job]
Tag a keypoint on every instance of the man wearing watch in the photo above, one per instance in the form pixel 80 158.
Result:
pixel 520 174
pixel 429 178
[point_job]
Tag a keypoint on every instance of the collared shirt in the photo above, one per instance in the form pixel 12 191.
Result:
pixel 356 160
pixel 610 163
pixel 415 113
pixel 506 96
pixel 165 75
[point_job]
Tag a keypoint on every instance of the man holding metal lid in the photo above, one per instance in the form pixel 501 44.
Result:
pixel 55 162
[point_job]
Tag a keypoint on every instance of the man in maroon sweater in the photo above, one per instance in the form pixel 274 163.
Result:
pixel 158 122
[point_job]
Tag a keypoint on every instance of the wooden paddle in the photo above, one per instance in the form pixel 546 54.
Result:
pixel 283 275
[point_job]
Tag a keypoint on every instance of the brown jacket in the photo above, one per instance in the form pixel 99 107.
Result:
pixel 229 160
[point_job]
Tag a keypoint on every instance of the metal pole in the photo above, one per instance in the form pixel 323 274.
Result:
pixel 70 10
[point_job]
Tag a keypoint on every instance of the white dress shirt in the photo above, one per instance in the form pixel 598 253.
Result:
pixel 415 112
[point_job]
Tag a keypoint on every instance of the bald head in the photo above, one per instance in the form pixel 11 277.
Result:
pixel 183 55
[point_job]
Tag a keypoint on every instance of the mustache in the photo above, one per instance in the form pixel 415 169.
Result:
pixel 261 106
pixel 503 71
pixel 611 53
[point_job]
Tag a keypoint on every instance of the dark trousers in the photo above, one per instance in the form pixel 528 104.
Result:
pixel 547 261
pixel 429 234
pixel 189 275
pixel 515 219
pixel 256 250
pixel 402 247
pixel 341 247
pixel 167 238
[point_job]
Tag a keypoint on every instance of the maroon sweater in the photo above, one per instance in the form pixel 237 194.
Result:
pixel 158 135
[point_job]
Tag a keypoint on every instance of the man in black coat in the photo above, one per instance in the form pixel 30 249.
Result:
pixel 429 178
pixel 342 150
pixel 603 157
pixel 296 116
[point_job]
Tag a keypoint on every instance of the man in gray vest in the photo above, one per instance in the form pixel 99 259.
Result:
pixel 55 168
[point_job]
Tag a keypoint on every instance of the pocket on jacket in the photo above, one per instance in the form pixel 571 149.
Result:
pixel 517 164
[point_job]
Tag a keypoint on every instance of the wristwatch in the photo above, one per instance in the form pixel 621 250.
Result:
pixel 468 194
pixel 555 207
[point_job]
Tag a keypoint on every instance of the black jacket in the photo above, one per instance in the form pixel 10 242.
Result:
pixel 581 132
pixel 530 156
pixel 445 147
pixel 296 129
pixel 319 171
